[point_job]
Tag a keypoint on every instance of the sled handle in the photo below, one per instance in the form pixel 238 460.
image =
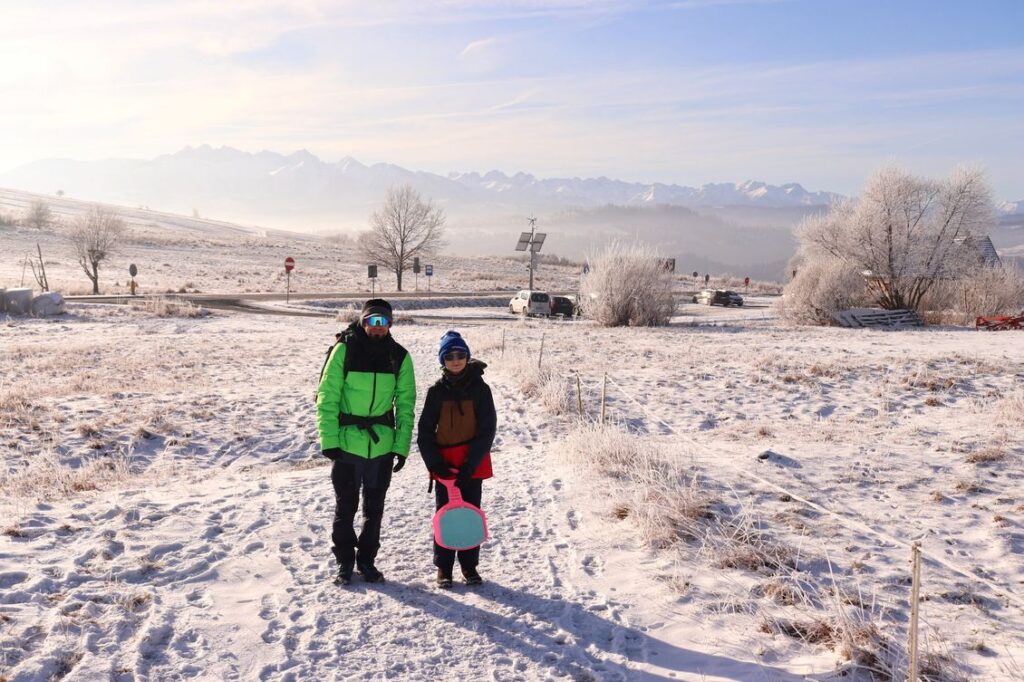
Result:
pixel 454 494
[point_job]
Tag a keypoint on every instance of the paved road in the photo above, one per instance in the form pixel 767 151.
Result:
pixel 755 308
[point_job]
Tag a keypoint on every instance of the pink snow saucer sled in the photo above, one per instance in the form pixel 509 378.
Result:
pixel 459 524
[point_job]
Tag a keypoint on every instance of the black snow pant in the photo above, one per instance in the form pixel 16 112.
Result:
pixel 348 475
pixel 472 491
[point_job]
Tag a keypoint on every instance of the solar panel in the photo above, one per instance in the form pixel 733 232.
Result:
pixel 524 241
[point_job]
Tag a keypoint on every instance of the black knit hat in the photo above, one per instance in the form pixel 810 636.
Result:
pixel 376 306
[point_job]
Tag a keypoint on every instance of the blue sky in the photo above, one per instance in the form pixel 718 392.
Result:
pixel 818 92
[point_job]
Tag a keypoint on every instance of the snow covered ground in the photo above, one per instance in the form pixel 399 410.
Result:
pixel 166 514
pixel 177 253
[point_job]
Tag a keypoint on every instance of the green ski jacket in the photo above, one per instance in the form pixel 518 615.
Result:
pixel 363 405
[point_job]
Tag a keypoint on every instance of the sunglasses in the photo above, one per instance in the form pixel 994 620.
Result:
pixel 456 355
pixel 377 321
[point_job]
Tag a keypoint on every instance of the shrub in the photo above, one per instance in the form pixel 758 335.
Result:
pixel 821 288
pixel 628 286
pixel 989 291
pixel 165 307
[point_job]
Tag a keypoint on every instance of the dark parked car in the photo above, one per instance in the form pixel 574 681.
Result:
pixel 563 306
pixel 721 297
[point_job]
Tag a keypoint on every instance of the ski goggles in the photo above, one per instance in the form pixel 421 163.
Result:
pixel 456 355
pixel 377 321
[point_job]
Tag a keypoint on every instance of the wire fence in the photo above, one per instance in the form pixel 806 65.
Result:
pixel 603 400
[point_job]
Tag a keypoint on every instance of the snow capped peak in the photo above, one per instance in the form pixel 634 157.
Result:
pixel 1012 207
pixel 349 165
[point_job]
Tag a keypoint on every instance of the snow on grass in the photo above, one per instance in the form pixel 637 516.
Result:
pixel 164 500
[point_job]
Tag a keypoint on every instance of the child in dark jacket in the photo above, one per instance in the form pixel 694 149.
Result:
pixel 455 435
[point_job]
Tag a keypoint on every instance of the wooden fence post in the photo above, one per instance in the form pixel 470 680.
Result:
pixel 915 606
pixel 604 392
pixel 502 342
pixel 540 356
pixel 579 394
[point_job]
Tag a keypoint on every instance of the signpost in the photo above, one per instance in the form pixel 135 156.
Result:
pixel 371 272
pixel 289 265
pixel 132 270
pixel 429 272
pixel 746 283
pixel 416 270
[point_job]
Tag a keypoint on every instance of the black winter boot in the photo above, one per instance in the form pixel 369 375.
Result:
pixel 471 576
pixel 369 572
pixel 344 576
pixel 444 579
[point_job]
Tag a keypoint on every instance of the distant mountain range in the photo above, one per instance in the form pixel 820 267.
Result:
pixel 744 228
pixel 238 185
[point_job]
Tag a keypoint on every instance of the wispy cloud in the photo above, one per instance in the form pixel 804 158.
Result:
pixel 141 78
pixel 477 46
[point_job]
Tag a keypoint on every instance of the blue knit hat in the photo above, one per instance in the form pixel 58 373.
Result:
pixel 452 340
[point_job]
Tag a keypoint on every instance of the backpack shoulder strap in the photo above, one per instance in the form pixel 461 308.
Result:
pixel 340 337
pixel 397 355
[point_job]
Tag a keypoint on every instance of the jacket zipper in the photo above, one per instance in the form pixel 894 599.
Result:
pixel 373 399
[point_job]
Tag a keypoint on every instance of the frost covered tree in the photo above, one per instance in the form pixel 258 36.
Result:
pixel 904 233
pixel 820 288
pixel 628 285
pixel 404 227
pixel 95 236
pixel 38 216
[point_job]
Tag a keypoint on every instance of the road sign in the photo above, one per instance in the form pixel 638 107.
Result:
pixel 416 265
pixel 695 274
pixel 586 269
pixel 371 271
pixel 289 264
pixel 132 270
pixel 669 265
pixel 746 281
pixel 429 270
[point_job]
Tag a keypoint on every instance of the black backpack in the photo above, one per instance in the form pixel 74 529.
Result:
pixel 344 336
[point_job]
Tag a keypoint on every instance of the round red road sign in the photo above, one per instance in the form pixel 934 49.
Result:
pixel 289 264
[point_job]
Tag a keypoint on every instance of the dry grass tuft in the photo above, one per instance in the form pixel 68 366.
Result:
pixel 986 456
pixel 87 429
pixel 542 383
pixel 968 487
pixel 666 504
pixel 46 477
pixel 132 601
pixel 817 631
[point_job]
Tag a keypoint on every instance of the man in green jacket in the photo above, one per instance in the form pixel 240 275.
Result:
pixel 364 412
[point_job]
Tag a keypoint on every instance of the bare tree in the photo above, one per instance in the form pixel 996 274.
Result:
pixel 406 226
pixel 905 232
pixel 38 215
pixel 95 236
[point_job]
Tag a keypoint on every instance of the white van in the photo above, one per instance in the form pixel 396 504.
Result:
pixel 528 302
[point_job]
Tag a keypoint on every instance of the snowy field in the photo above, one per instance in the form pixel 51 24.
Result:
pixel 175 253
pixel 166 513
pixel 745 512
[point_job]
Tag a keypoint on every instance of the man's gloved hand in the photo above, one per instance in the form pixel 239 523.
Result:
pixel 399 462
pixel 332 453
